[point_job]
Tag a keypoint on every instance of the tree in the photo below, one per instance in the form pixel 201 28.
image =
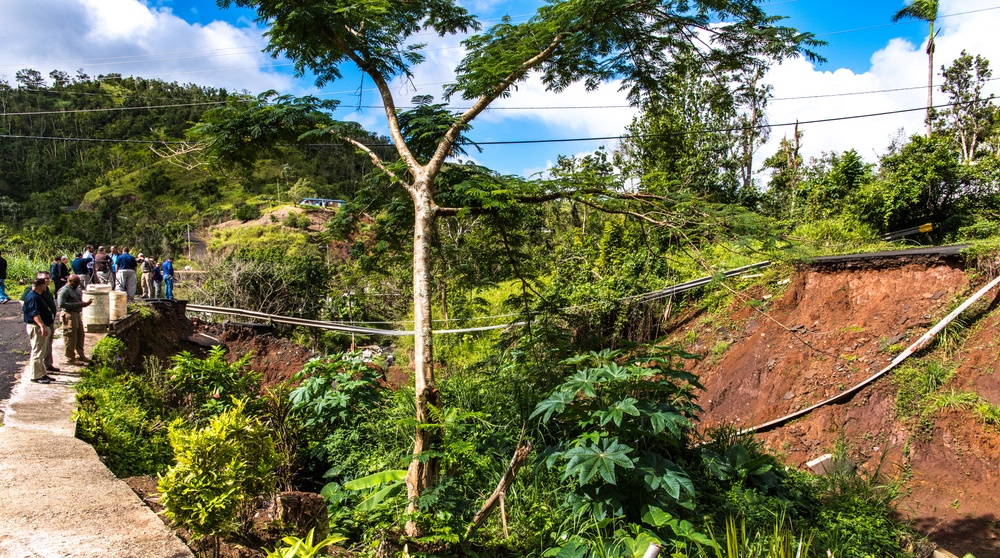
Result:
pixel 566 41
pixel 970 116
pixel 924 10
pixel 785 165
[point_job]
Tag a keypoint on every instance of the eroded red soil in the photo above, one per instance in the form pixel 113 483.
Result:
pixel 830 330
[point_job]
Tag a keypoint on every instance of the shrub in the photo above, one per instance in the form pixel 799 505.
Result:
pixel 246 212
pixel 124 418
pixel 208 386
pixel 109 352
pixel 220 472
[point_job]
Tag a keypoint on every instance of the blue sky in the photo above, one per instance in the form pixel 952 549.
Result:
pixel 194 41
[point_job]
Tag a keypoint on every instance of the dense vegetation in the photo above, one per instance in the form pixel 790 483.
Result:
pixel 595 416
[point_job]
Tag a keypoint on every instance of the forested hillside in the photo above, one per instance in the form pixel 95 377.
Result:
pixel 82 162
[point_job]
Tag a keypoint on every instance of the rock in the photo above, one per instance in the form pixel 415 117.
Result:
pixel 826 464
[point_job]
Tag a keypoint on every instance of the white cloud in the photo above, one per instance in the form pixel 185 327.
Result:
pixel 899 64
pixel 131 38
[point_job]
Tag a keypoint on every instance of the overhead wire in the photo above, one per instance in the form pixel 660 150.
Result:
pixel 541 141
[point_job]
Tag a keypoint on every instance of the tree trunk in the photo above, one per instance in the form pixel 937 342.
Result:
pixel 930 77
pixel 422 473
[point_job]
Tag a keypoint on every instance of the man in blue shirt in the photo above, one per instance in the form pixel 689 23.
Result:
pixel 126 274
pixel 168 278
pixel 81 266
pixel 38 321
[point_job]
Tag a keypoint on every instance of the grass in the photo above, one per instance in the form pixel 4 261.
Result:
pixel 916 382
pixel 21 269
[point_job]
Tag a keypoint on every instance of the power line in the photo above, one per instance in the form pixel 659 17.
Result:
pixel 405 107
pixel 899 22
pixel 554 140
pixel 112 109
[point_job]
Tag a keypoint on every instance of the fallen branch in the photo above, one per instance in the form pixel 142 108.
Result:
pixel 520 456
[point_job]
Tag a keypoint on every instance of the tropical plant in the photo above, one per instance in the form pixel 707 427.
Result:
pixel 294 547
pixel 210 385
pixel 622 426
pixel 220 472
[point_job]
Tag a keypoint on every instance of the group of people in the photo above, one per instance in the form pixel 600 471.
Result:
pixel 117 267
pixel 40 308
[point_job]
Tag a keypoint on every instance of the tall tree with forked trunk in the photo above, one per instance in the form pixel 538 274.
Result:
pixel 565 42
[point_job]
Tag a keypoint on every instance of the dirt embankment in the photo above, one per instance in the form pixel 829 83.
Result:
pixel 828 331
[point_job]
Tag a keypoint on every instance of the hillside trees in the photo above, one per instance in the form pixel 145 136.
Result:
pixel 971 116
pixel 566 41
pixel 700 132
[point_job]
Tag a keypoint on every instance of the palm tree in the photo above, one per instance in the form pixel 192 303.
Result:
pixel 924 10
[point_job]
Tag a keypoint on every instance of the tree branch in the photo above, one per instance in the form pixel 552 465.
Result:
pixel 520 456
pixel 376 161
pixel 444 146
pixel 383 89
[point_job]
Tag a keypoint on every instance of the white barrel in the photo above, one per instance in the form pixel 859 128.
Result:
pixel 97 314
pixel 98 288
pixel 119 301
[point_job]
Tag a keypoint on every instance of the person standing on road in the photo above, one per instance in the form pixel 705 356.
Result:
pixel 157 280
pixel 3 278
pixel 70 300
pixel 59 271
pixel 50 303
pixel 102 267
pixel 147 265
pixel 126 265
pixel 168 278
pixel 81 267
pixel 38 320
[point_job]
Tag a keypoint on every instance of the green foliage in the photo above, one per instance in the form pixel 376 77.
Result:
pixel 916 382
pixel 953 399
pixel 275 279
pixel 220 472
pixel 109 351
pixel 621 424
pixel 294 547
pixel 246 212
pixel 988 413
pixel 209 386
pixel 124 417
pixel 856 509
pixel 780 543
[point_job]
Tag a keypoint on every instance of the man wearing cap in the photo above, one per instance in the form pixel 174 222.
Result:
pixel 38 320
pixel 70 300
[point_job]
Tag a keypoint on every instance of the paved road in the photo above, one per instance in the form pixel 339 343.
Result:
pixel 57 500
pixel 13 347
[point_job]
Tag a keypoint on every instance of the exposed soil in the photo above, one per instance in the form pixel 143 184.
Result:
pixel 830 329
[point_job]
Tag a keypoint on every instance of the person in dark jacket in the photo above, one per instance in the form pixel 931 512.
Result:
pixel 38 321
pixel 59 272
pixel 70 300
pixel 81 266
pixel 102 267
pixel 50 303
pixel 3 278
